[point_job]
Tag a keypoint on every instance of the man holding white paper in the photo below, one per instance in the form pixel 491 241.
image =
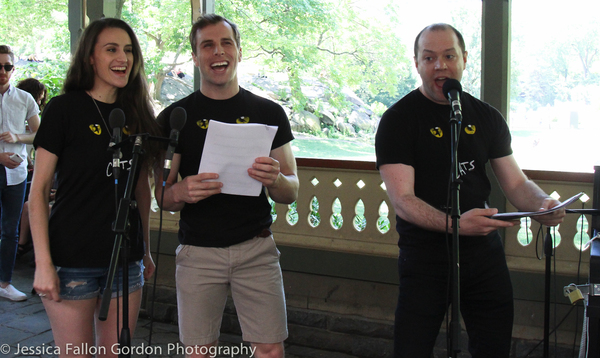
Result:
pixel 225 239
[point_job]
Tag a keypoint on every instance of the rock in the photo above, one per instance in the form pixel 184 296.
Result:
pixel 327 118
pixel 304 121
pixel 345 128
pixel 361 120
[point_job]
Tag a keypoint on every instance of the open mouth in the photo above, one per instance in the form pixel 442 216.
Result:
pixel 220 66
pixel 440 81
pixel 122 70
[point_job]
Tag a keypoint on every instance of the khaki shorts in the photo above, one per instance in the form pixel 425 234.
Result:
pixel 251 269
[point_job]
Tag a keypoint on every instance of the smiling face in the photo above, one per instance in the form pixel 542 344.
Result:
pixel 217 56
pixel 439 58
pixel 112 60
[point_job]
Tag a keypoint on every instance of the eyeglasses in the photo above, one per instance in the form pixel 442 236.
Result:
pixel 7 68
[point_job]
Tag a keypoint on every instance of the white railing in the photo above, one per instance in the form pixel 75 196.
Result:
pixel 343 207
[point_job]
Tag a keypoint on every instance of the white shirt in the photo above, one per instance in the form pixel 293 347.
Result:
pixel 16 106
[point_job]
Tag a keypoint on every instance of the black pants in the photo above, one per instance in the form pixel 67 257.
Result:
pixel 485 293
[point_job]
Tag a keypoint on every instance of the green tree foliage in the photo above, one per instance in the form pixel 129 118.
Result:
pixel 50 72
pixel 37 31
pixel 586 46
pixel 335 44
pixel 554 63
pixel 162 28
pixel 470 28
pixel 331 41
pixel 32 27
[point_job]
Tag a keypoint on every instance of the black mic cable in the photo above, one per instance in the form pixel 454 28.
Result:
pixel 177 121
pixel 116 120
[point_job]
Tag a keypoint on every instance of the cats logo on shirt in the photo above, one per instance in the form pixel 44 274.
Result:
pixel 470 129
pixel 125 165
pixel 437 132
pixel 96 129
pixel 203 123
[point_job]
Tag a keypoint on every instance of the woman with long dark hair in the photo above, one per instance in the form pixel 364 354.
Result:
pixel 73 248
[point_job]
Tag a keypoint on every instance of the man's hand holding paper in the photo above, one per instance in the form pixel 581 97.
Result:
pixel 194 188
pixel 266 170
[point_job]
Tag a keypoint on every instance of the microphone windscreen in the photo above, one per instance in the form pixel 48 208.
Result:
pixel 451 84
pixel 178 118
pixel 117 118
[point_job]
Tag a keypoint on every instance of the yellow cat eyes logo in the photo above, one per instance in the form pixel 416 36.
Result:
pixel 470 129
pixel 96 129
pixel 437 132
pixel 203 123
pixel 242 120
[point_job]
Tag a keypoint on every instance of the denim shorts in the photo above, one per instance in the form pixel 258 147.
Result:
pixel 89 282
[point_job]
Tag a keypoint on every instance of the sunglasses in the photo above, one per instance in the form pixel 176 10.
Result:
pixel 7 68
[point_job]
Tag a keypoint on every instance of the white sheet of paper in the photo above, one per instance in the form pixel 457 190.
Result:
pixel 230 150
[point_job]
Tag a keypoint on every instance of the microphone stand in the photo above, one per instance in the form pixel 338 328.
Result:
pixel 548 251
pixel 593 305
pixel 590 344
pixel 121 245
pixel 454 334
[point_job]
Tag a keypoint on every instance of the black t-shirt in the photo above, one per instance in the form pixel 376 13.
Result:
pixel 416 131
pixel 81 219
pixel 222 220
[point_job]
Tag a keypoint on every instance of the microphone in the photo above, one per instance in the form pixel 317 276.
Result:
pixel 117 122
pixel 452 90
pixel 177 120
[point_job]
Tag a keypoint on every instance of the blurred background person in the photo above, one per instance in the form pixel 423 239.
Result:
pixel 36 89
pixel 40 94
pixel 18 111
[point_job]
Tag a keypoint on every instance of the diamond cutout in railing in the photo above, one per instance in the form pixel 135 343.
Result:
pixel 360 184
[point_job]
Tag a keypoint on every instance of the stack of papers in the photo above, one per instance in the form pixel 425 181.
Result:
pixel 522 214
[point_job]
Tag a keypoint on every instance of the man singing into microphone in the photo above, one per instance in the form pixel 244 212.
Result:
pixel 225 239
pixel 413 156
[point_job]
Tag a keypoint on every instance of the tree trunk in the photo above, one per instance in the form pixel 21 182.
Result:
pixel 119 5
pixel 160 78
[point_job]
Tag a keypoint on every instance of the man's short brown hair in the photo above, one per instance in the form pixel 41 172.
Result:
pixel 441 27
pixel 5 49
pixel 212 19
